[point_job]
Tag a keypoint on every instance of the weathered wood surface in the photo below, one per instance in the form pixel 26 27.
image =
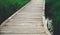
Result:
pixel 28 21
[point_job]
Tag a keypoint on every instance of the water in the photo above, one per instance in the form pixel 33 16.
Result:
pixel 49 25
pixel 52 12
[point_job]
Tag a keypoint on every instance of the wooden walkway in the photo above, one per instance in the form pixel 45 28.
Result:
pixel 27 21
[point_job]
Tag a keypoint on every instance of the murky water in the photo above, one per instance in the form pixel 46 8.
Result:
pixel 52 11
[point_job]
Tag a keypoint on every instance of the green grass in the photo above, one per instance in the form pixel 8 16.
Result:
pixel 8 7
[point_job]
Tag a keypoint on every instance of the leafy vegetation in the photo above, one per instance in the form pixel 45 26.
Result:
pixel 8 7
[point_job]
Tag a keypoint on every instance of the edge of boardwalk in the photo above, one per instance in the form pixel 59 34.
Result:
pixel 7 20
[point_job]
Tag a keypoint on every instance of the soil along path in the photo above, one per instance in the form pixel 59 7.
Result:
pixel 28 21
